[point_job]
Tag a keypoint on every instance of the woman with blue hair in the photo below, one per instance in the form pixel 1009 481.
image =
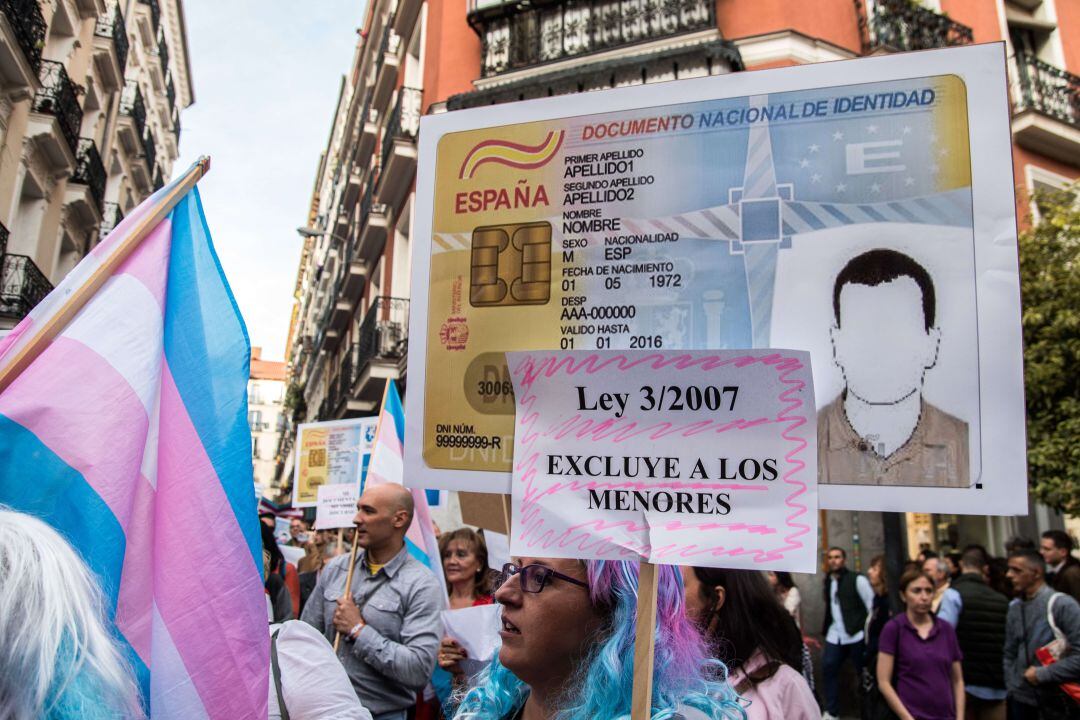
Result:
pixel 58 660
pixel 568 646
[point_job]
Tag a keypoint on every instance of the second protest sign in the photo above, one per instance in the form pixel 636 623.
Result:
pixel 695 458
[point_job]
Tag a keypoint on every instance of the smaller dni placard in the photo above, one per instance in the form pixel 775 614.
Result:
pixel 682 457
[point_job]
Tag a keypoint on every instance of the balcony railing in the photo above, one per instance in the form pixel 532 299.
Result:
pixel 90 171
pixel 29 27
pixel 163 53
pixel 904 25
pixel 170 92
pixel 1048 90
pixel 149 150
pixel 404 121
pixel 22 286
pixel 111 25
pixel 132 105
pixel 111 216
pixel 57 98
pixel 155 13
pixel 368 204
pixel 384 333
pixel 4 233
pixel 518 35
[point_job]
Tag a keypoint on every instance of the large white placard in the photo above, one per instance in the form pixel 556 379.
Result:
pixel 862 211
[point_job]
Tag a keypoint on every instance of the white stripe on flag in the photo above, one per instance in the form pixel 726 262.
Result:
pixel 131 340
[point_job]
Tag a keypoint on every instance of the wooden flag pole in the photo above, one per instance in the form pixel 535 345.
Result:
pixel 644 641
pixel 40 338
pixel 352 552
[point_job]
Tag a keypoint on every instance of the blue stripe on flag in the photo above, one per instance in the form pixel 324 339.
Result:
pixel 37 482
pixel 205 332
pixel 417 552
pixel 393 406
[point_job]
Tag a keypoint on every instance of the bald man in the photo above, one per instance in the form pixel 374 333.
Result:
pixel 390 620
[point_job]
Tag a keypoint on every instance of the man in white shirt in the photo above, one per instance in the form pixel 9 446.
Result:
pixel 848 599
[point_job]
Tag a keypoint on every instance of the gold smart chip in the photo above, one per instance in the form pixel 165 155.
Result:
pixel 511 265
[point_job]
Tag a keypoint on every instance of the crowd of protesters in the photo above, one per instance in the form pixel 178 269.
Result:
pixel 962 637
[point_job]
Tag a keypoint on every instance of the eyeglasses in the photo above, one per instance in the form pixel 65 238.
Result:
pixel 533 578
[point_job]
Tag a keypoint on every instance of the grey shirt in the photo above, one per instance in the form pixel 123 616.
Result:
pixel 1026 630
pixel 394 655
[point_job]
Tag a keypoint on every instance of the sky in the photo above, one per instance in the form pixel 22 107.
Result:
pixel 266 75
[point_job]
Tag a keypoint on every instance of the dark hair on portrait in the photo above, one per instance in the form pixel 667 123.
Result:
pixel 1061 539
pixel 842 551
pixel 750 619
pixel 877 267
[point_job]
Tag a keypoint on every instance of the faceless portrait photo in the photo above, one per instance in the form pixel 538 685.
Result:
pixel 880 429
pixel 889 318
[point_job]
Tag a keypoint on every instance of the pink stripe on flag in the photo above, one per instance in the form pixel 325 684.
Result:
pixel 98 428
pixel 388 434
pixel 194 522
pixel 135 602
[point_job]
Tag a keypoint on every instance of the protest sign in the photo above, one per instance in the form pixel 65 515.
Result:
pixel 682 457
pixel 331 453
pixel 336 506
pixel 835 208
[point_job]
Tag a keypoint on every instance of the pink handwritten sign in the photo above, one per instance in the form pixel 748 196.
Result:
pixel 682 457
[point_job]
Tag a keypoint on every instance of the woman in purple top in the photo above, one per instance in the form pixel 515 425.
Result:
pixel 918 667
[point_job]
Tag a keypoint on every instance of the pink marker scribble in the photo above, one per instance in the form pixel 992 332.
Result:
pixel 595 536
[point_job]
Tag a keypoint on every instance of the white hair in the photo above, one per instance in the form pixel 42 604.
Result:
pixel 57 659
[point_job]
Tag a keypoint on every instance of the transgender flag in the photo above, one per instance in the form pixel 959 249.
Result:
pixel 386 467
pixel 129 434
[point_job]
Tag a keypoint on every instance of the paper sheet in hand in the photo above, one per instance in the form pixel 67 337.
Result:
pixel 476 629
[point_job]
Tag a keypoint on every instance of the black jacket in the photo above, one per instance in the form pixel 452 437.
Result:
pixel 851 605
pixel 981 630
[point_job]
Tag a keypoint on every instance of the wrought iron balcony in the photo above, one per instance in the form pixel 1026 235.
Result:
pixel 111 216
pixel 57 97
pixel 90 171
pixel 170 92
pixel 22 286
pixel 163 53
pixel 404 122
pixel 155 13
pixel 132 105
pixel 518 35
pixel 4 233
pixel 111 25
pixel 1048 90
pixel 29 27
pixel 384 333
pixel 903 25
pixel 149 150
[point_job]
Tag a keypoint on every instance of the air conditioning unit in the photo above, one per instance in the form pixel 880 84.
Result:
pixel 390 334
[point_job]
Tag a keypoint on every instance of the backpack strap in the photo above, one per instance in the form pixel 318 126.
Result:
pixel 277 675
pixel 1058 635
